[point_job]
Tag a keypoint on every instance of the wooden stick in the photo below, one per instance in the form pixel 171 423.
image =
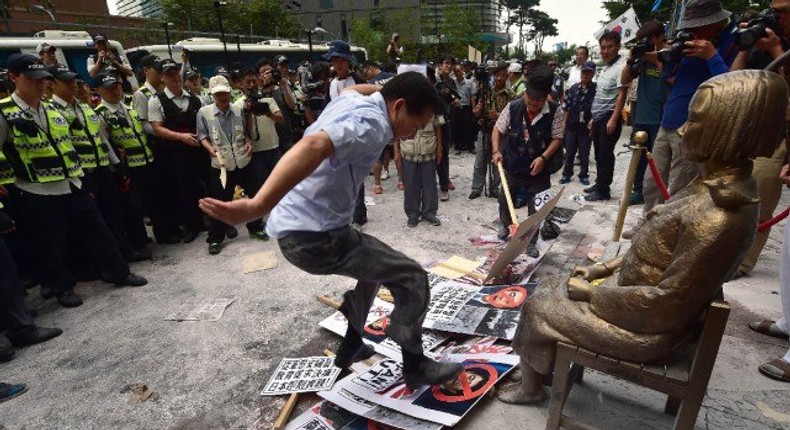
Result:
pixel 328 301
pixel 369 361
pixel 285 412
pixel 510 207
pixel 636 154
pixel 472 274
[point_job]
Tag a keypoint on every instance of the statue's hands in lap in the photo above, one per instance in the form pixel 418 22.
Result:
pixel 591 273
pixel 579 290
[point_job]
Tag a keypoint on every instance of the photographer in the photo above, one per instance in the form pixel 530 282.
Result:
pixel 492 102
pixel 262 114
pixel 694 61
pixel 651 92
pixel 448 89
pixel 757 53
pixel 317 91
pixel 105 58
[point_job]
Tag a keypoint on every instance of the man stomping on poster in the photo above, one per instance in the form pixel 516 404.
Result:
pixel 311 195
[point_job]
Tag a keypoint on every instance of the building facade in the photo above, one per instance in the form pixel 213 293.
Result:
pixel 139 8
pixel 422 17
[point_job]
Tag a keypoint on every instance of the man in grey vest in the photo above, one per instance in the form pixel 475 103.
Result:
pixel 220 129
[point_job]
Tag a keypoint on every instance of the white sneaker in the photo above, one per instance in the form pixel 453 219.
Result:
pixel 385 174
pixel 444 196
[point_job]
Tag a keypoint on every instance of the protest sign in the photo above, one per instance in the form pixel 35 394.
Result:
pixel 445 404
pixel 302 375
pixel 375 330
pixel 490 310
pixel 326 415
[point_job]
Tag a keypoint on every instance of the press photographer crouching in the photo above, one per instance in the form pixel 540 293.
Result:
pixel 761 40
pixel 708 54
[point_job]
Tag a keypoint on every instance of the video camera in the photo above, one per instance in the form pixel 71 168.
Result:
pixel 315 94
pixel 745 38
pixel 674 52
pixel 276 78
pixel 482 76
pixel 638 53
pixel 447 92
pixel 256 103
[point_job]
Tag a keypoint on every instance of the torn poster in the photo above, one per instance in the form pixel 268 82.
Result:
pixel 446 405
pixel 326 415
pixel 373 412
pixel 375 330
pixel 260 261
pixel 490 310
pixel 476 345
pixel 200 310
pixel 302 375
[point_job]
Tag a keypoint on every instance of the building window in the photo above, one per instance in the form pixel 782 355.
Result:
pixel 326 4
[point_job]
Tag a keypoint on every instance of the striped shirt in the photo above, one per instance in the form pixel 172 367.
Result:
pixel 609 82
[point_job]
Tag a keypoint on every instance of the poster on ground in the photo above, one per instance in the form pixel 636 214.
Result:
pixel 302 375
pixel 326 415
pixel 382 384
pixel 489 310
pixel 375 330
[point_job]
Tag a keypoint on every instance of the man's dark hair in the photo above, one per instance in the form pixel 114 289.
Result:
pixel 389 67
pixel 265 61
pixel 444 58
pixel 586 50
pixel 370 63
pixel 416 90
pixel 320 68
pixel 612 36
pixel 651 28
pixel 247 72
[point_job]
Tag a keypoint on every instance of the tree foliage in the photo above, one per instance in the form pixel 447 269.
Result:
pixel 643 8
pixel 262 17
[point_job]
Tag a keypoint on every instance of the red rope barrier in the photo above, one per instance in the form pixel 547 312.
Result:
pixel 657 176
pixel 773 221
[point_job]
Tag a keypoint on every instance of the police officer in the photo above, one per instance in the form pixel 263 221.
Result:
pixel 47 53
pixel 50 201
pixel 95 157
pixel 21 329
pixel 173 117
pixel 194 85
pixel 127 136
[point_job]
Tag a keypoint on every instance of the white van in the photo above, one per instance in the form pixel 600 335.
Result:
pixel 73 49
pixel 206 54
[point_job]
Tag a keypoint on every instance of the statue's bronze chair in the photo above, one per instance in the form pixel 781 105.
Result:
pixel 684 381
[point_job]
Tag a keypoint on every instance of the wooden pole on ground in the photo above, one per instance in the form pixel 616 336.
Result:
pixel 636 154
pixel 285 412
pixel 510 207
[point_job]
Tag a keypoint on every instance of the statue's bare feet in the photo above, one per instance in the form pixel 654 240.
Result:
pixel 517 395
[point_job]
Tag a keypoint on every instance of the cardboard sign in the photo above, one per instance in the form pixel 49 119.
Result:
pixel 326 415
pixel 302 375
pixel 375 327
pixel 518 244
pixel 455 267
pixel 444 405
pixel 260 261
pixel 490 310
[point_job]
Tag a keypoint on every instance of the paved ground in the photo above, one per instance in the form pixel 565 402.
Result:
pixel 207 375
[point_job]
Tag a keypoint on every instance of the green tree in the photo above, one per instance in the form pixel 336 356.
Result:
pixel 373 40
pixel 542 26
pixel 265 17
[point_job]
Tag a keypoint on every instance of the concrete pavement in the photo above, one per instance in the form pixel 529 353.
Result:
pixel 208 375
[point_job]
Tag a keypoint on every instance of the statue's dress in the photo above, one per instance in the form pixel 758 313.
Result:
pixel 652 308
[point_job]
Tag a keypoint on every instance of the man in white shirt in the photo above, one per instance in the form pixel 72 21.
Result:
pixel 339 56
pixel 575 71
pixel 311 196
